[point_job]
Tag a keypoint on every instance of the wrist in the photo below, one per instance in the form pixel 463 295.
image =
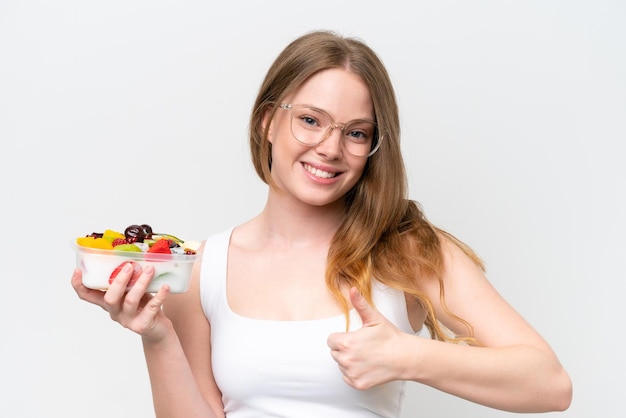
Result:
pixel 411 357
pixel 161 333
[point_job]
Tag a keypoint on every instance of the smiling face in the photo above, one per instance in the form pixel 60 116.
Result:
pixel 321 174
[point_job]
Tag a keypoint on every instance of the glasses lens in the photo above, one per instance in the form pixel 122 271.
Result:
pixel 359 137
pixel 309 125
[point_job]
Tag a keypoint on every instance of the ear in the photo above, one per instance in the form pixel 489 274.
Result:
pixel 267 120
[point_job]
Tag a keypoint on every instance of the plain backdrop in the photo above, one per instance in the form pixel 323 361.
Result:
pixel 119 112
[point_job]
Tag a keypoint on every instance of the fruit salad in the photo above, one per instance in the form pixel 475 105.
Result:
pixel 102 255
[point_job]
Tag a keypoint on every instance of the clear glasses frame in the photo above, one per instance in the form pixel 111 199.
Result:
pixel 351 140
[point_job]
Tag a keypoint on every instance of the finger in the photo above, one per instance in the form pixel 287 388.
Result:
pixel 333 341
pixel 138 290
pixel 77 279
pixel 117 289
pixel 150 313
pixel 369 315
pixel 156 303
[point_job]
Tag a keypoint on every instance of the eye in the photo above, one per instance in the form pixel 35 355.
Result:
pixel 308 120
pixel 357 135
pixel 360 132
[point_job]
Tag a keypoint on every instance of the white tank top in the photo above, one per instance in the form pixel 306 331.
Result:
pixel 268 368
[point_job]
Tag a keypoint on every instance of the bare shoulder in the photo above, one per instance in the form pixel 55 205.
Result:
pixel 470 295
pixel 457 255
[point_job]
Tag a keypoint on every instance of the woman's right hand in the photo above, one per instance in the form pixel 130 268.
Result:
pixel 134 308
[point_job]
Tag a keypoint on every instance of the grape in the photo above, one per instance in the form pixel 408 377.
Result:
pixel 134 233
pixel 147 230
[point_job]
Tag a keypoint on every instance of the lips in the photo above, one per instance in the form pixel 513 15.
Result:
pixel 319 173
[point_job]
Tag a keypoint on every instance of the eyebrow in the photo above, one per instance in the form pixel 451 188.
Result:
pixel 332 117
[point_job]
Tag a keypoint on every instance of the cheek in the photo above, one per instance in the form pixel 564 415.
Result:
pixel 276 128
pixel 282 141
pixel 359 167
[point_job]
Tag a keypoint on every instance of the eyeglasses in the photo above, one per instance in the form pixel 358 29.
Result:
pixel 311 126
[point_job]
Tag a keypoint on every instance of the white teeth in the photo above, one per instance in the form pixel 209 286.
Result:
pixel 319 173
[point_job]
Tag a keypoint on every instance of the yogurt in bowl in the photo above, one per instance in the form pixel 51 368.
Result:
pixel 101 256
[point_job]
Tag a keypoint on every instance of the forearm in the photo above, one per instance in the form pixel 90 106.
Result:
pixel 517 378
pixel 174 388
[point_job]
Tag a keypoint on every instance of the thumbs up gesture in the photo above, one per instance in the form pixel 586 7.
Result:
pixel 376 353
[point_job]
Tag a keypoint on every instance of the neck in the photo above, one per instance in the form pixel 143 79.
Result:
pixel 296 224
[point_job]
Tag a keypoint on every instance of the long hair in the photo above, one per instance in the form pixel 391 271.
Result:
pixel 383 234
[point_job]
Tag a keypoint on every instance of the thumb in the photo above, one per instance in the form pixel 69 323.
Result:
pixel 369 315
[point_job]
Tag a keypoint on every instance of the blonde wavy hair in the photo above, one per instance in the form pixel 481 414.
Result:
pixel 383 234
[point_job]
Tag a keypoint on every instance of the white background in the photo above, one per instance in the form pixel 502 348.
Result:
pixel 122 112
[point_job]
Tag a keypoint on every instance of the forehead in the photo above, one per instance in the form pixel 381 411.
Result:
pixel 340 92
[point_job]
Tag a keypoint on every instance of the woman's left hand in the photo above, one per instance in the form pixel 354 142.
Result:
pixel 376 353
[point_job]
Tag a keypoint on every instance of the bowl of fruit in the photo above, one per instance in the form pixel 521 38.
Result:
pixel 101 256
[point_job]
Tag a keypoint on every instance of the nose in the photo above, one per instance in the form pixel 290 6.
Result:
pixel 332 145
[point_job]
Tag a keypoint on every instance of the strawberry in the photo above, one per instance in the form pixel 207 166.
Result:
pixel 119 241
pixel 162 246
pixel 136 272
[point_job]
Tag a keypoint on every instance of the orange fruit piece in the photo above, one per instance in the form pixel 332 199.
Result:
pixel 92 242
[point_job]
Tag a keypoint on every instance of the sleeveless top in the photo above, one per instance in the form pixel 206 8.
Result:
pixel 269 368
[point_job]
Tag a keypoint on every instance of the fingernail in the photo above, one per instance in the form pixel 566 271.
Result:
pixel 149 268
pixel 126 268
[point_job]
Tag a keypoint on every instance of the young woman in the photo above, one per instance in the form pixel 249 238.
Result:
pixel 313 308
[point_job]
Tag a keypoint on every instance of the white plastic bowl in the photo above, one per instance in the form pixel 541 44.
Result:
pixel 172 269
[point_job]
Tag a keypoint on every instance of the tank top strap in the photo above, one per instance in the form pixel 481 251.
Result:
pixel 213 273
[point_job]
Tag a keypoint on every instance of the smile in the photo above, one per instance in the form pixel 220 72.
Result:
pixel 319 173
